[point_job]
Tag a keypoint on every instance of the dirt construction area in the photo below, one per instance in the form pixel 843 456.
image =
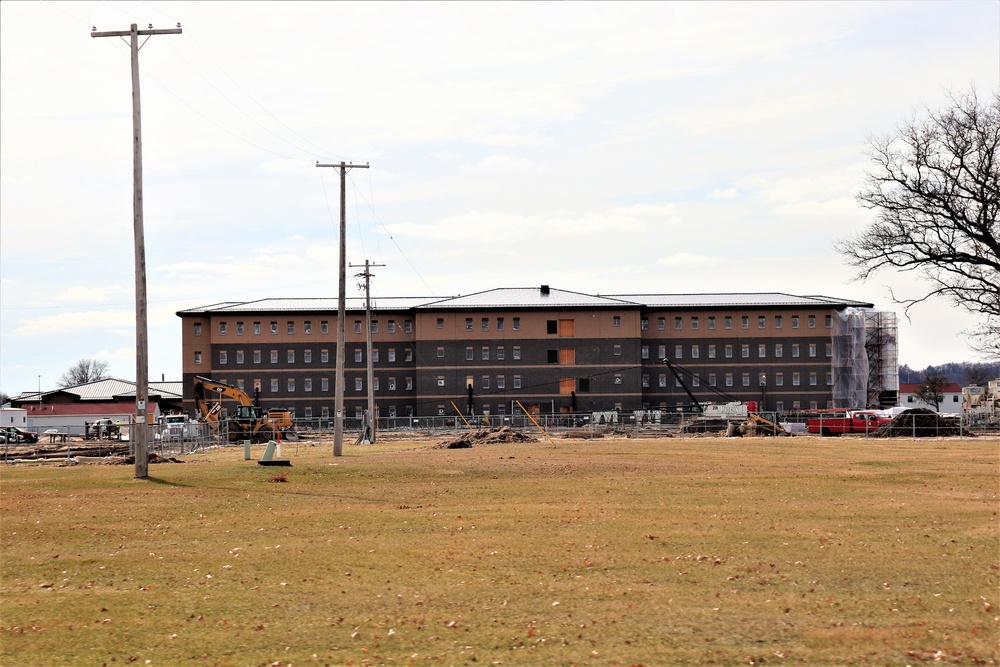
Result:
pixel 611 551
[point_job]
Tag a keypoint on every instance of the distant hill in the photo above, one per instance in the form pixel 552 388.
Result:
pixel 963 373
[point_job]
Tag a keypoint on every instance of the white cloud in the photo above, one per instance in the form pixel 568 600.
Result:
pixel 75 323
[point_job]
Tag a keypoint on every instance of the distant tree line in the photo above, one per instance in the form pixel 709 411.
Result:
pixel 963 373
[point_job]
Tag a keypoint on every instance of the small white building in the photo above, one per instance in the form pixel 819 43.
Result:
pixel 951 402
pixel 14 417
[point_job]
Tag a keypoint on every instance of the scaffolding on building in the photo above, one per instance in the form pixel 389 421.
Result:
pixel 865 353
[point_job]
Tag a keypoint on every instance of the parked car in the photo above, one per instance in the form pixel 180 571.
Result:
pixel 13 434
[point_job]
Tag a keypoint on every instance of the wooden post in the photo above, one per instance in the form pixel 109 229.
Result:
pixel 140 433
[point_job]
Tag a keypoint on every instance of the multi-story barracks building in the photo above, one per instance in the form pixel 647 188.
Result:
pixel 552 350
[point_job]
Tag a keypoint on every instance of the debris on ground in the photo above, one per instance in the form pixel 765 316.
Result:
pixel 920 423
pixel 493 436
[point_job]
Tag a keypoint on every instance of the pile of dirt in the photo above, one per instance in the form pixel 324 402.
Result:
pixel 493 436
pixel 920 423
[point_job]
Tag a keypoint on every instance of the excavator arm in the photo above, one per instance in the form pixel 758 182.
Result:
pixel 203 383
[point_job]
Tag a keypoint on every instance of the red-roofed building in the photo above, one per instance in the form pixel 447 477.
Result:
pixel 952 401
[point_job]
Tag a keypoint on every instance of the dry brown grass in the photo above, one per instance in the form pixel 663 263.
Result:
pixel 775 551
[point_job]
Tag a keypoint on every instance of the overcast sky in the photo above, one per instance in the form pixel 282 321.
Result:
pixel 605 148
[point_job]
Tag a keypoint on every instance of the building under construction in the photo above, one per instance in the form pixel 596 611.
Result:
pixel 551 350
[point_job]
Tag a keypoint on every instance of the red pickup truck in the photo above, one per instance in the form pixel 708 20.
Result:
pixel 855 421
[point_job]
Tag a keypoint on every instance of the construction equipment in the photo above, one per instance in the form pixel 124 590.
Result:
pixel 250 422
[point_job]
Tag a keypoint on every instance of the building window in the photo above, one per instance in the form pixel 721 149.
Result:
pixel 828 321
pixel 486 353
pixel 469 355
pixel 645 380
pixel 745 322
pixel 274 328
pixel 517 382
pixel 408 352
pixel 291 328
pixel 617 320
pixel 777 321
pixel 409 384
pixel 375 383
pixel 812 379
pixel 307 327
pixel 392 326
pixel 661 352
pixel 729 322
pixel 517 352
pixel 645 352
pixel 661 323
pixel 552 356
pixel 795 379
pixel 359 355
pixel 274 356
pixel 256 356
pixel 812 349
pixel 468 324
pixel 711 321
pixel 795 350
pixel 678 324
pixel 745 350
pixel 239 356
pixel 662 380
pixel 694 323
pixel 644 323
pixel 240 385
pixel 812 321
pixel 197 328
pixel 779 379
pixel 517 323
pixel 197 357
pixel 291 356
pixel 239 328
pixel 485 382
pixel 440 323
pixel 440 353
pixel 357 326
pixel 222 328
pixel 440 380
pixel 359 384
pixel 307 384
pixel 695 381
pixel 392 384
pixel 307 357
pixel 291 385
pixel 795 321
pixel 829 378
pixel 501 382
pixel 711 351
pixel 695 351
pixel 729 352
pixel 392 355
pixel 500 353
pixel 324 327
pixel 485 324
pixel 746 379
pixel 729 379
pixel 761 322
pixel 324 356
pixel 407 326
pixel 779 350
pixel 678 351
pixel 551 327
pixel 829 349
pixel 711 380
pixel 374 355
pixel 256 328
pixel 618 350
pixel 796 405
pixel 274 385
pixel 761 350
pixel 324 384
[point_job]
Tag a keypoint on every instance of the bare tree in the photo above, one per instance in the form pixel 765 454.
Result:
pixel 84 371
pixel 977 374
pixel 931 389
pixel 935 190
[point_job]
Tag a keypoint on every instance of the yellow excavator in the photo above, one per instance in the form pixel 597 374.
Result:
pixel 250 422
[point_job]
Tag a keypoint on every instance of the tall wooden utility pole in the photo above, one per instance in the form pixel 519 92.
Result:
pixel 367 275
pixel 139 433
pixel 338 422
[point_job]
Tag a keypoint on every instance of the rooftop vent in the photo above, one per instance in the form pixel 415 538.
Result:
pixel 545 290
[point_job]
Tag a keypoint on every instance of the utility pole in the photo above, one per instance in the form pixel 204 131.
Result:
pixel 140 439
pixel 338 422
pixel 370 426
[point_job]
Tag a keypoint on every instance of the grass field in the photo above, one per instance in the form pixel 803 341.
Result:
pixel 789 551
